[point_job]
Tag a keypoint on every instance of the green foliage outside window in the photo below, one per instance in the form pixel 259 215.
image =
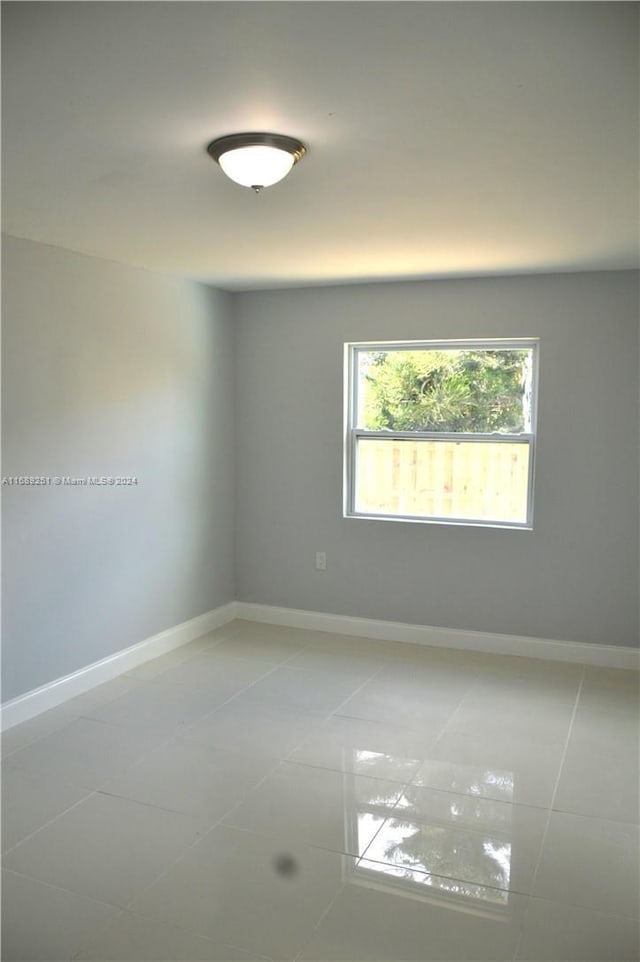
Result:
pixel 481 391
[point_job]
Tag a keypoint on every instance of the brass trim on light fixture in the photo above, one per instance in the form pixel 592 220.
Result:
pixel 233 141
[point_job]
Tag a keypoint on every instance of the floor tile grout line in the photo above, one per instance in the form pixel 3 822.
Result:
pixel 143 682
pixel 188 931
pixel 271 670
pixel 328 714
pixel 90 792
pixel 325 715
pixel 343 771
pixel 300 651
pixel 119 909
pixel 187 728
pixel 61 888
pixel 171 865
pixel 452 878
pixel 168 740
pixel 431 788
pixel 472 831
pixel 182 729
pixel 459 706
pixel 277 763
pixel 336 712
pixel 586 908
pixel 217 823
pixel 100 927
pixel 356 691
pixel 130 729
pixel 288 658
pixel 324 914
pixel 561 904
pixel 549 814
pixel 194 654
pixel 8 755
pixel 103 928
pixel 522 894
pixel 387 818
pixel 450 719
pixel 567 740
pixel 599 818
pixel 244 689
pixel 232 828
pixel 333 714
pixel 95 933
pixel 196 817
pixel 478 677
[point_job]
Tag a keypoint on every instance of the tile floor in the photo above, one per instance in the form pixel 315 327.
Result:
pixel 268 793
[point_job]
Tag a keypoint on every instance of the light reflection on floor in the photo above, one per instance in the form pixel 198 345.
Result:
pixel 458 845
pixel 254 798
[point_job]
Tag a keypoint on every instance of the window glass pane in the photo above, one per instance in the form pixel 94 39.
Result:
pixel 463 390
pixel 474 480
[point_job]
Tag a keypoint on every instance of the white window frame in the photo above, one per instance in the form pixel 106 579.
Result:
pixel 353 434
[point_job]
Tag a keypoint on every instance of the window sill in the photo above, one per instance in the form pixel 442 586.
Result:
pixel 449 522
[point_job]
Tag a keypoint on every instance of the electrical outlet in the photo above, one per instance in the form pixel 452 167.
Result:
pixel 321 561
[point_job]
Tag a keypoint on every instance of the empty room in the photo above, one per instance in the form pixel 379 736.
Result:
pixel 320 482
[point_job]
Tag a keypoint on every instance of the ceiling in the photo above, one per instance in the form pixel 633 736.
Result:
pixel 444 139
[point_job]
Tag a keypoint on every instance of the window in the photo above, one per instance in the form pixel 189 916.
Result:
pixel 441 431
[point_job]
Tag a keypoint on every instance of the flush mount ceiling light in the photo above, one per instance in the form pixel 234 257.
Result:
pixel 256 160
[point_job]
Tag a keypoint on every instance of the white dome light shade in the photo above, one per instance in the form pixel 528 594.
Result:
pixel 258 166
pixel 256 160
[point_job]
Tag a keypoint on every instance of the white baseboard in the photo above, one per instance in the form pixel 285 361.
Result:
pixel 604 656
pixel 54 693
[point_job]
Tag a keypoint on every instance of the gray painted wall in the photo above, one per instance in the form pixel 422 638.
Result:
pixel 575 576
pixel 110 370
